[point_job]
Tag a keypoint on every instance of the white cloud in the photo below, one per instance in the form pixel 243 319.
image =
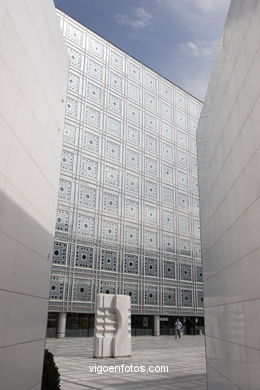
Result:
pixel 211 5
pixel 199 48
pixel 201 16
pixel 196 45
pixel 189 6
pixel 139 19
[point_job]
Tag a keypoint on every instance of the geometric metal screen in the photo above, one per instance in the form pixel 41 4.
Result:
pixel 127 217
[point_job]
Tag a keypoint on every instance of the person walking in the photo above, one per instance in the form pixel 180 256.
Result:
pixel 178 328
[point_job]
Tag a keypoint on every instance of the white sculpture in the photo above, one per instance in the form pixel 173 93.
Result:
pixel 112 326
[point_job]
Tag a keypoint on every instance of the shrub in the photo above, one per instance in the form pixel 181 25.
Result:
pixel 50 375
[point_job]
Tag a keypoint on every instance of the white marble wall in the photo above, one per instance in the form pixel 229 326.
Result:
pixel 33 74
pixel 229 178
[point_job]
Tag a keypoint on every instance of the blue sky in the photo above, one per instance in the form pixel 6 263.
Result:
pixel 176 38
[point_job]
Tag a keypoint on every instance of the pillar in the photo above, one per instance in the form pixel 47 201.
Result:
pixel 156 325
pixel 61 325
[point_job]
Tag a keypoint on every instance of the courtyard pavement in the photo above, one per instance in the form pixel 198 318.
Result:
pixel 185 359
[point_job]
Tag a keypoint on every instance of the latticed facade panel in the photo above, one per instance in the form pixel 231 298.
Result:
pixel 128 208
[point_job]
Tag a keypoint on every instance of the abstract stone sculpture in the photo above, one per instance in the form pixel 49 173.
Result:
pixel 112 326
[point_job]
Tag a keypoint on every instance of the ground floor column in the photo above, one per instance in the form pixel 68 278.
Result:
pixel 61 325
pixel 156 325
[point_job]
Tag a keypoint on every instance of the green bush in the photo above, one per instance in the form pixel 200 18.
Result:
pixel 50 375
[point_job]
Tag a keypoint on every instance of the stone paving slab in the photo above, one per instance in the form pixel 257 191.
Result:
pixel 185 359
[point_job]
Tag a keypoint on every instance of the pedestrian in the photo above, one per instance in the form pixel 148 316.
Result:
pixel 178 328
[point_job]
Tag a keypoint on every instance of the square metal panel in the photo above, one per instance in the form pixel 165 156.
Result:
pixel 132 184
pixel 85 226
pixel 169 269
pixel 167 196
pixel 94 93
pixel 108 260
pixel 115 81
pixel 150 102
pixel 151 295
pixel 74 34
pixel 107 288
pixel 131 264
pixel 133 136
pixel 92 117
pixel 67 161
pixel 183 200
pixel 59 253
pixel 182 139
pixel 151 214
pixel 116 60
pixel 110 202
pixel 84 256
pixel 62 220
pixel 134 71
pixel 132 291
pixel 150 240
pixel 112 151
pixel 186 298
pixel 167 131
pixel 168 243
pixel 56 288
pixel 132 209
pixel 167 151
pixel 184 247
pixel 169 296
pixel 134 92
pixel 167 220
pixel 183 179
pixel 131 235
pixel 87 196
pixel 184 224
pixel 113 127
pixel 111 176
pixel 114 103
pixel 88 168
pixel 132 159
pixel 166 91
pixel 151 166
pixel 185 273
pixel 81 290
pixel 90 142
pixel 182 158
pixel 150 144
pixel 167 173
pixel 180 100
pixel 69 133
pixel 166 111
pixel 110 231
pixel 75 58
pixel 96 48
pixel 197 250
pixel 71 107
pixel 65 189
pixel 95 70
pixel 73 82
pixel 150 81
pixel 133 113
pixel 200 299
pixel 151 190
pixel 199 274
pixel 151 266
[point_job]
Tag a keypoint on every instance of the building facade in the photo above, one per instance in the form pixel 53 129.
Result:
pixel 128 209
pixel 33 75
pixel 229 182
